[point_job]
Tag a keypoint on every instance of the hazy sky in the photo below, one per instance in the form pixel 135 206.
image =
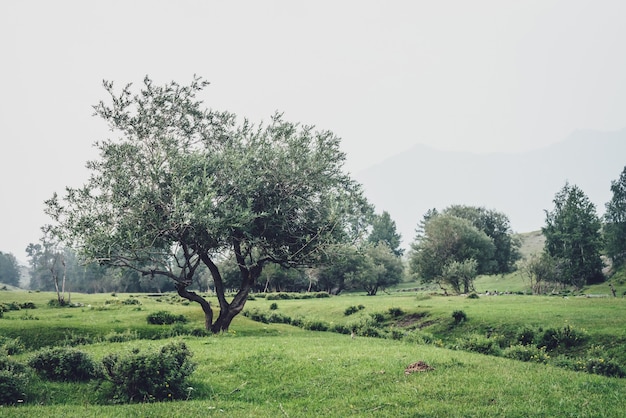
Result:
pixel 482 76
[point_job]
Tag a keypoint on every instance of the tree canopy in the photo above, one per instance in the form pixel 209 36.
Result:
pixel 9 269
pixel 615 221
pixel 182 186
pixel 448 239
pixel 384 231
pixel 573 237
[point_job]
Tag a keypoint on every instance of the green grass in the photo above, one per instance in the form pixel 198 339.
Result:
pixel 269 370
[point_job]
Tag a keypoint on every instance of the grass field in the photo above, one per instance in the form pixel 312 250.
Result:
pixel 270 370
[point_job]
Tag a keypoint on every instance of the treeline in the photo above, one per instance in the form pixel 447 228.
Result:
pixel 451 248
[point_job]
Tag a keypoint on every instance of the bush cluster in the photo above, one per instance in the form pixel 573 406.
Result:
pixel 352 310
pixel 16 306
pixel 566 337
pixel 480 344
pixel 144 377
pixel 13 380
pixel 286 295
pixel 63 364
pixel 165 318
pixel 528 353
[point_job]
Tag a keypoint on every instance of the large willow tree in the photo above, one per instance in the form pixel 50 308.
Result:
pixel 180 186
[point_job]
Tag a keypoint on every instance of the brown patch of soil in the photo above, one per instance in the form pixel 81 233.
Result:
pixel 420 366
pixel 411 319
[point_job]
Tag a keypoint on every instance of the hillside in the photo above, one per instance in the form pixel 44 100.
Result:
pixel 521 185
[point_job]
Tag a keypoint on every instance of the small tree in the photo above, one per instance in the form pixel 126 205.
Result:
pixel 615 222
pixel 182 186
pixel 384 231
pixel 446 239
pixel 460 275
pixel 9 269
pixel 572 234
pixel 381 269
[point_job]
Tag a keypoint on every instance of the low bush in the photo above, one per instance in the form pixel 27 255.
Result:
pixel 480 344
pixel 529 353
pixel 566 337
pixel 144 377
pixel 352 310
pixel 604 367
pixel 165 318
pixel 396 312
pixel 525 336
pixel 12 346
pixel 459 316
pixel 274 306
pixel 473 295
pixel 121 337
pixel 12 387
pixel 63 364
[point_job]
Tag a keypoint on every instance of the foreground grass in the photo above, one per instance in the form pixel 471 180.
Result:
pixel 312 374
pixel 263 370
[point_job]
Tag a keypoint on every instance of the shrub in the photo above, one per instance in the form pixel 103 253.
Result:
pixel 142 377
pixel 604 367
pixel 480 344
pixel 321 295
pixel 473 295
pixel 63 364
pixel 526 336
pixel 524 352
pixel 12 387
pixel 314 325
pixel 165 318
pixel 378 317
pixel 131 302
pixel 459 316
pixel 396 312
pixel 28 305
pixel 566 337
pixel 12 346
pixel 274 306
pixel 353 309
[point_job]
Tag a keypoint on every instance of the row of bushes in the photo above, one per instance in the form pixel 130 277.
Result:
pixel 133 377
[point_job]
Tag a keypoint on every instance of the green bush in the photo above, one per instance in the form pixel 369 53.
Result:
pixel 352 309
pixel 313 325
pixel 131 302
pixel 459 316
pixel 12 346
pixel 524 352
pixel 144 377
pixel 274 306
pixel 566 337
pixel 12 387
pixel 473 295
pixel 165 318
pixel 480 344
pixel 396 312
pixel 526 336
pixel 63 364
pixel 604 367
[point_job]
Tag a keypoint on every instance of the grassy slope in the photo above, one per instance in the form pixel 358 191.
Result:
pixel 278 370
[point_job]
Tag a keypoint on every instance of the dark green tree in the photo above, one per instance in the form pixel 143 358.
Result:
pixel 384 231
pixel 497 227
pixel 9 269
pixel 573 236
pixel 615 222
pixel 181 186
pixel 381 268
pixel 447 239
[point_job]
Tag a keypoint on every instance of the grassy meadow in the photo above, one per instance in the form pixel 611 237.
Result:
pixel 273 369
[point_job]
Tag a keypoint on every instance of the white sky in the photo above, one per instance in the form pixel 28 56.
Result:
pixel 482 76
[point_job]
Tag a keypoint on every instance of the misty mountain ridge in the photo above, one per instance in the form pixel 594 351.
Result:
pixel 521 185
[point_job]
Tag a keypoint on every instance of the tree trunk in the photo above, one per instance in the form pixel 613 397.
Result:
pixel 206 305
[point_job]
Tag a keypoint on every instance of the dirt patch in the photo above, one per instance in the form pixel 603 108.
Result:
pixel 420 366
pixel 411 319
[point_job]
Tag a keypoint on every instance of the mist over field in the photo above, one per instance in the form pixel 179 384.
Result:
pixel 520 185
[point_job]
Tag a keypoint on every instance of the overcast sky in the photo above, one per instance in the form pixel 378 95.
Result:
pixel 480 76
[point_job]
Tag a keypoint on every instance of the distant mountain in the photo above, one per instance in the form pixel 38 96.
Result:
pixel 520 185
